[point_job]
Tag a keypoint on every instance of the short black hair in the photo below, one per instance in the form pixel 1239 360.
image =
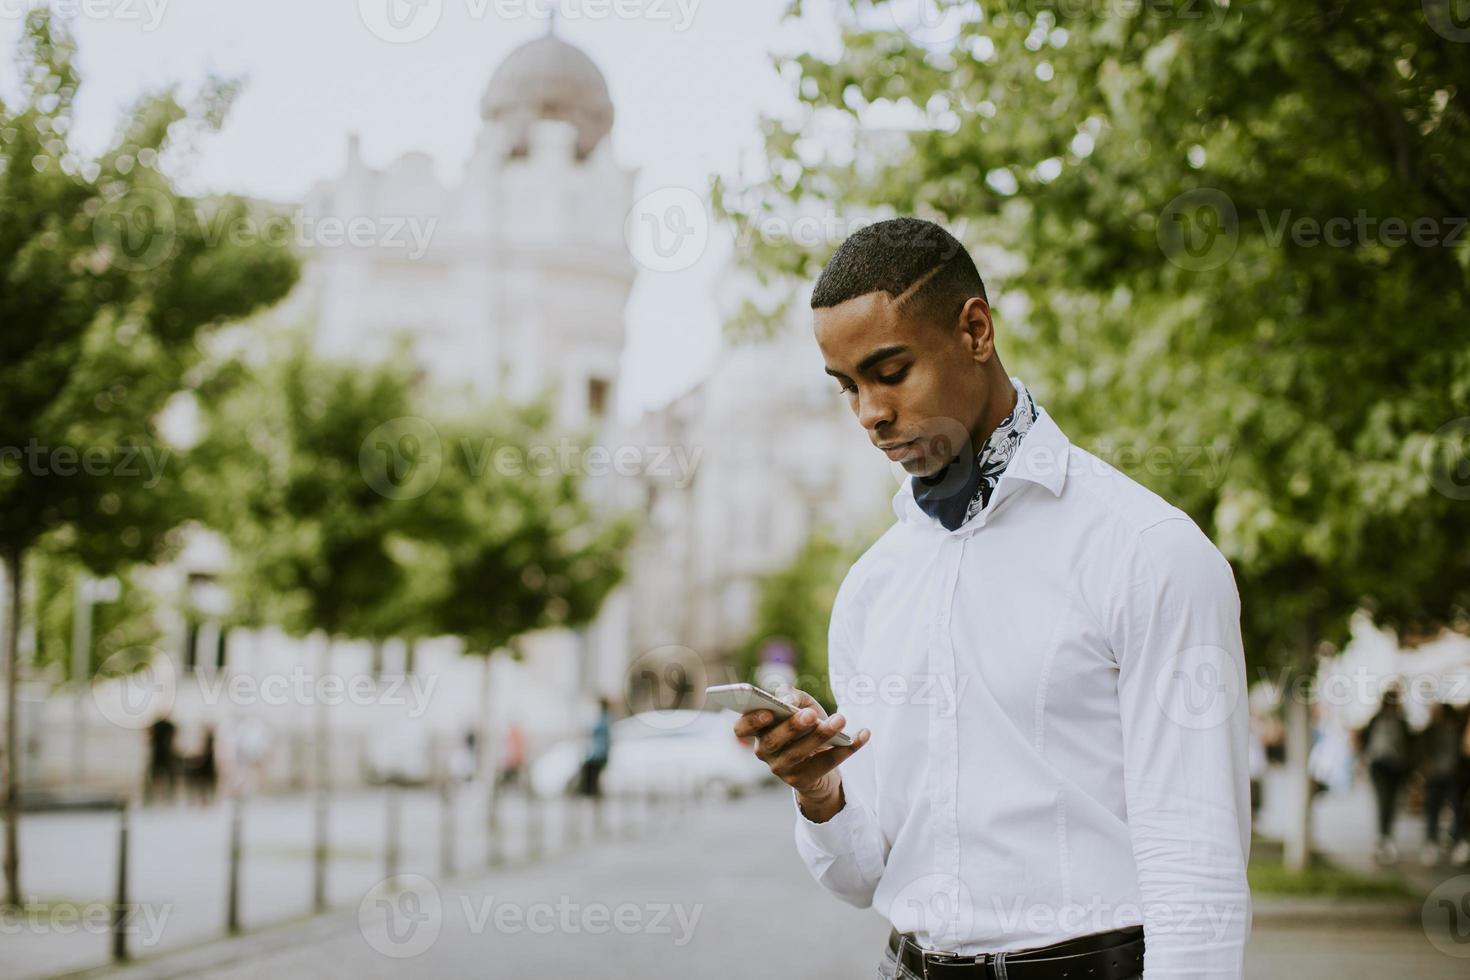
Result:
pixel 894 256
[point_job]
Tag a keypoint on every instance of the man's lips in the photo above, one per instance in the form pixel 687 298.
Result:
pixel 897 450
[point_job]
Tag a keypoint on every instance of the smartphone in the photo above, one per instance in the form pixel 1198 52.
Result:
pixel 741 698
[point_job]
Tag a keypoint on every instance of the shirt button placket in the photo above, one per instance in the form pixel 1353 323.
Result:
pixel 945 738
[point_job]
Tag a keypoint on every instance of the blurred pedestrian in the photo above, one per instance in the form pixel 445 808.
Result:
pixel 162 761
pixel 1460 795
pixel 598 752
pixel 513 757
pixel 201 775
pixel 1385 748
pixel 249 745
pixel 463 759
pixel 1441 755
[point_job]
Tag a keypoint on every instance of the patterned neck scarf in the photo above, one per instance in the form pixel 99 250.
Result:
pixel 959 492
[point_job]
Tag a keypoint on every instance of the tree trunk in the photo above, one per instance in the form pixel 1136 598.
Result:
pixel 1298 843
pixel 1300 689
pixel 320 848
pixel 11 768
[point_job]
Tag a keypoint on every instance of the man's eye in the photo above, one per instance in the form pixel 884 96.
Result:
pixel 848 389
pixel 893 378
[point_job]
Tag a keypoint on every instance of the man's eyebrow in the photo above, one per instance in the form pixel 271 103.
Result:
pixel 881 354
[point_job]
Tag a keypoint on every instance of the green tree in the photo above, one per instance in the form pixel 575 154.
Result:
pixel 1198 198
pixel 795 607
pixel 107 275
pixel 315 517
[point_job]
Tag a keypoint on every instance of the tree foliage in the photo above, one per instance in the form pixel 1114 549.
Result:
pixel 1230 229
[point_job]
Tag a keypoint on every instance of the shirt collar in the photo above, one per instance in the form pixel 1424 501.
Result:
pixel 1041 458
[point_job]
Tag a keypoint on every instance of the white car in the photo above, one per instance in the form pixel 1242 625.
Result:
pixel 659 751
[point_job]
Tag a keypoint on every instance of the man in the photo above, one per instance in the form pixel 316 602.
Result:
pixel 1045 656
pixel 598 751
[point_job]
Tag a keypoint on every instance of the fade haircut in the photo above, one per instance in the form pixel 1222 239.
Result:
pixel 910 259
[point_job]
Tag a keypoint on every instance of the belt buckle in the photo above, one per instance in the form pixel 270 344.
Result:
pixel 948 958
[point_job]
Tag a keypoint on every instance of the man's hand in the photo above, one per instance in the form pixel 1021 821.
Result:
pixel 797 753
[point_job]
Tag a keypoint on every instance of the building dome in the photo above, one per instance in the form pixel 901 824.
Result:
pixel 548 79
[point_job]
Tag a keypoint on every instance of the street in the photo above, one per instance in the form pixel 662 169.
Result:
pixel 717 894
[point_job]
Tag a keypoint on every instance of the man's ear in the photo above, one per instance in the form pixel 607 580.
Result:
pixel 975 317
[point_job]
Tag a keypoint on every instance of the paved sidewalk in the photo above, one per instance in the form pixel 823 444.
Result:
pixel 726 885
pixel 178 864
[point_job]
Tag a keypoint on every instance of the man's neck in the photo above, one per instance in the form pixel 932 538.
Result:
pixel 1003 399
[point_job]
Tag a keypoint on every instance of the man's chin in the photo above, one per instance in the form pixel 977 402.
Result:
pixel 921 466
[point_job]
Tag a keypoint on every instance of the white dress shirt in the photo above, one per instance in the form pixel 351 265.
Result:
pixel 1055 690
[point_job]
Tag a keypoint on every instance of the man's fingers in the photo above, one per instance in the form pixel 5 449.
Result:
pixel 814 767
pixel 752 723
pixel 776 740
pixel 806 744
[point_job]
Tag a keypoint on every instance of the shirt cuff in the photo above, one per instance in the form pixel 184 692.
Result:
pixel 834 837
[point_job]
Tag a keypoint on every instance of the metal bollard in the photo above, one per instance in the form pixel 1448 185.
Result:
pixel 533 826
pixel 494 853
pixel 446 829
pixel 390 852
pixel 120 906
pixel 232 896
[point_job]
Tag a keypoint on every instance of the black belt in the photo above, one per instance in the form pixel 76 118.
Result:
pixel 1113 955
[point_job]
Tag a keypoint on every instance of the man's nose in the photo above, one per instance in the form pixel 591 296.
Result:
pixel 873 409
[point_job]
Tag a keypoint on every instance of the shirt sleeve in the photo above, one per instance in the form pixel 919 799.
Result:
pixel 1175 625
pixel 846 854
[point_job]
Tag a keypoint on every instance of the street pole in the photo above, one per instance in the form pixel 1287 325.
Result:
pixel 89 592
pixel 81 655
